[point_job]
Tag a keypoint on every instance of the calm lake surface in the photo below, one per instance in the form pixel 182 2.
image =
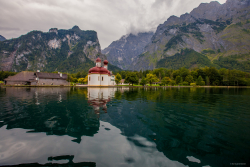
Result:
pixel 113 127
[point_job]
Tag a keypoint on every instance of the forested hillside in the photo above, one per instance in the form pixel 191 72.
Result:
pixel 70 50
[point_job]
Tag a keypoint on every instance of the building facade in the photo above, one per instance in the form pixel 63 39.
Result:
pixel 37 78
pixel 100 76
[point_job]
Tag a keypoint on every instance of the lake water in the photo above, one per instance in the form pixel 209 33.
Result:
pixel 113 127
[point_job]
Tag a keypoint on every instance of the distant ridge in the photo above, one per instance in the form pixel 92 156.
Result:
pixel 2 38
pixel 70 50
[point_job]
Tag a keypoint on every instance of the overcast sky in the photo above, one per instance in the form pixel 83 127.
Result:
pixel 110 18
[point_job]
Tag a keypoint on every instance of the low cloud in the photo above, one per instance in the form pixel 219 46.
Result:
pixel 110 18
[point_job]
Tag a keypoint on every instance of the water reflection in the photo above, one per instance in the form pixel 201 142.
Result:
pixel 125 127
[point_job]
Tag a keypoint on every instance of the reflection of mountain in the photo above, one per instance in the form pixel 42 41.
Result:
pixel 180 122
pixel 49 110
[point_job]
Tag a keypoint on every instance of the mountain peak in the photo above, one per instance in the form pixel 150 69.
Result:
pixel 2 38
pixel 76 28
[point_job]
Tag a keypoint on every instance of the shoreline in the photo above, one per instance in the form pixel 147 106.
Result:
pixel 128 86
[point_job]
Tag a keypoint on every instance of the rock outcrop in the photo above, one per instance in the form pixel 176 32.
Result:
pixel 2 38
pixel 123 51
pixel 57 50
pixel 222 28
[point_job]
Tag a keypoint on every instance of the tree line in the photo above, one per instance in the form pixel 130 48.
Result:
pixel 162 76
pixel 209 76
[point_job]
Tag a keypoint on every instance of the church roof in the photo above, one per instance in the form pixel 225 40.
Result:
pixel 98 70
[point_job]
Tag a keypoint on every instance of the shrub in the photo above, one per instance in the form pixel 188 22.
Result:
pixel 192 84
pixel 172 83
pixel 185 83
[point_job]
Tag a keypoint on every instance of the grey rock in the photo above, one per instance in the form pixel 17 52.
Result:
pixel 2 38
pixel 123 52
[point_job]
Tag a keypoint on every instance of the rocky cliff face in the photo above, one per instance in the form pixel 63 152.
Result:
pixel 57 50
pixel 2 38
pixel 221 30
pixel 123 52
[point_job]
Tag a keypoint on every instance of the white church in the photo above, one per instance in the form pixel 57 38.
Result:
pixel 100 76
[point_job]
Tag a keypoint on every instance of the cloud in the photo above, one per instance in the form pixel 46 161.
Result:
pixel 110 18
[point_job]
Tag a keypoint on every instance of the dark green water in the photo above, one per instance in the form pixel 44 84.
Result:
pixel 110 127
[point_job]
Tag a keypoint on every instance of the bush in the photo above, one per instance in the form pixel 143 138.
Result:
pixel 193 84
pixel 172 83
pixel 185 83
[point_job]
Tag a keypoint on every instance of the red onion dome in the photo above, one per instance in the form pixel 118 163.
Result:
pixel 98 70
pixel 94 70
pixel 98 60
pixel 105 62
pixel 104 70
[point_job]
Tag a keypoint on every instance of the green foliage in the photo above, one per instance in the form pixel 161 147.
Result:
pixel 202 76
pixel 200 81
pixel 66 58
pixel 207 81
pixel 185 83
pixel 143 81
pixel 189 79
pixel 6 74
pixel 151 78
pixel 173 42
pixel 172 83
pixel 166 81
pixel 118 78
pixel 178 79
pixel 131 78
pixel 231 62
pixel 80 80
pixel 192 84
pixel 187 58
pixel 216 25
pixel 208 51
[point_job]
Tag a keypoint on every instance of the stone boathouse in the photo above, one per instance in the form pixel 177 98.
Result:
pixel 37 78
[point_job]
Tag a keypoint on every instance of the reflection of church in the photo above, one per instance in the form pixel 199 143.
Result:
pixel 99 97
pixel 100 76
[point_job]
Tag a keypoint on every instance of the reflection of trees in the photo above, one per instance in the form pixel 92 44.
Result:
pixel 181 121
pixel 184 121
pixel 69 115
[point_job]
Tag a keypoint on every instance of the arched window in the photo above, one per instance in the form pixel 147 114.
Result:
pixel 102 78
pixel 89 78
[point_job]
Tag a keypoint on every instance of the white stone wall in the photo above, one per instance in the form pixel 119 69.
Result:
pixel 99 80
pixel 105 80
pixel 95 93
pixel 93 80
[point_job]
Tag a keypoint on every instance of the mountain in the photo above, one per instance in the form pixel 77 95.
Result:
pixel 212 29
pixel 187 58
pixel 2 38
pixel 123 51
pixel 70 50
